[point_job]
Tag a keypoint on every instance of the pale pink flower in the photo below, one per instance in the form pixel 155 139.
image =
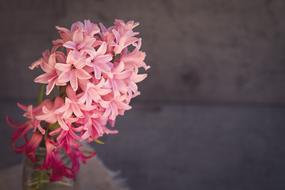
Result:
pixel 115 106
pixel 125 26
pixel 93 93
pixel 65 34
pixel 107 36
pixel 123 40
pixel 47 64
pixel 95 126
pixel 82 37
pixel 72 70
pixel 134 59
pixel 124 35
pixel 51 114
pixel 117 80
pixel 101 61
pixel 90 29
pixel 79 42
pixel 72 105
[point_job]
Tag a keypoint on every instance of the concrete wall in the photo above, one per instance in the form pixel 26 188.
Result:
pixel 200 50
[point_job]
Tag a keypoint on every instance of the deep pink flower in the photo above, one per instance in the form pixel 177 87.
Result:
pixel 22 132
pixel 54 162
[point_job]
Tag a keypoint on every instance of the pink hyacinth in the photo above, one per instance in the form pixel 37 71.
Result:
pixel 91 75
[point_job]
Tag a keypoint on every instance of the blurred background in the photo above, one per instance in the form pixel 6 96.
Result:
pixel 212 111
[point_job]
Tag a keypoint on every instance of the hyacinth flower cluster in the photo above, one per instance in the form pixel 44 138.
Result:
pixel 89 77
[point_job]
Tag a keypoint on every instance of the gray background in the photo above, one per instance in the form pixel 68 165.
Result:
pixel 211 114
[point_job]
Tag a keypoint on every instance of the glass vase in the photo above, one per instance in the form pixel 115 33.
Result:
pixel 36 179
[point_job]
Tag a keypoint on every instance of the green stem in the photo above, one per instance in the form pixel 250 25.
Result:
pixel 62 91
pixel 41 94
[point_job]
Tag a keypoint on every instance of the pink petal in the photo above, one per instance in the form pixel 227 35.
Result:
pixel 82 74
pixel 119 68
pixel 78 36
pixel 123 75
pixel 103 59
pixel 139 78
pixel 97 72
pixel 70 45
pixel 70 93
pixel 42 78
pixel 102 49
pixel 124 106
pixel 58 102
pixel 50 86
pixel 63 124
pixel 73 81
pixel 36 64
pixel 76 110
pixel 64 77
pixel 63 67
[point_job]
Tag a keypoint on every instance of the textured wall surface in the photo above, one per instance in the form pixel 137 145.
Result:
pixel 226 52
pixel 199 50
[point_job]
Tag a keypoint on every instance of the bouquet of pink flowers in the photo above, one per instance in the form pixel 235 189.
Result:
pixel 89 77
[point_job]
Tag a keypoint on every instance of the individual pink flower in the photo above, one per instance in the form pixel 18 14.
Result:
pixel 47 64
pixel 72 70
pixel 117 80
pixel 93 93
pixel 107 36
pixel 124 35
pixel 54 163
pixel 134 59
pixel 72 105
pixel 115 106
pixel 82 37
pixel 31 112
pixel 101 61
pixel 95 126
pixel 68 138
pixel 79 42
pixel 22 132
pixel 90 29
pixel 51 114
pixel 64 33
pixel 125 26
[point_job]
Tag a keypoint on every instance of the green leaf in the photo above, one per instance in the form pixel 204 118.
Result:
pixel 98 141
